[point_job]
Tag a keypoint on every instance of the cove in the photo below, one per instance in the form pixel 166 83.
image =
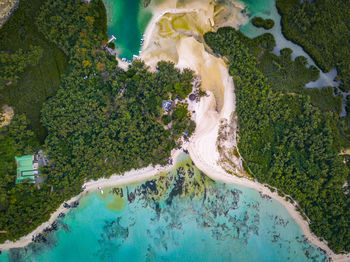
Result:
pixel 127 21
pixel 181 215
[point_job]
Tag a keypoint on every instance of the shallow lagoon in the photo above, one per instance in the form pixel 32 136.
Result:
pixel 127 21
pixel 179 216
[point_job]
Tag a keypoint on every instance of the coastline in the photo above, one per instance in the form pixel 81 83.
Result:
pixel 200 147
pixel 128 177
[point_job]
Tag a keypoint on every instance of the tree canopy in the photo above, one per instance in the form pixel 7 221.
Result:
pixel 289 143
pixel 322 28
pixel 99 120
pixel 261 22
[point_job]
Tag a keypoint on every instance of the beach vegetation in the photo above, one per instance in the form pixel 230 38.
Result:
pixel 264 23
pixel 31 67
pixel 322 28
pixel 98 119
pixel 288 142
pixel 281 71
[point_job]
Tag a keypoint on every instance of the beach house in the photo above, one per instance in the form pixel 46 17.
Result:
pixel 28 167
pixel 167 105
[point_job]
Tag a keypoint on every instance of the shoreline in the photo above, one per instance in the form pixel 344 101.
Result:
pixel 132 176
pixel 200 147
pixel 220 175
pixel 203 149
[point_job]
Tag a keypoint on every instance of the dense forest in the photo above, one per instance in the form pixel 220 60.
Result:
pixel 97 119
pixel 31 66
pixel 264 23
pixel 287 141
pixel 281 72
pixel 322 28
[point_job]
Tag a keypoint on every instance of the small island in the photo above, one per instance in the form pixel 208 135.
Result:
pixel 264 23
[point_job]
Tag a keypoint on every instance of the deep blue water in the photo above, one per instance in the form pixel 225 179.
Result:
pixel 179 216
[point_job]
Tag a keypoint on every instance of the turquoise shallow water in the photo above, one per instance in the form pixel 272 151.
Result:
pixel 184 217
pixel 180 216
pixel 127 21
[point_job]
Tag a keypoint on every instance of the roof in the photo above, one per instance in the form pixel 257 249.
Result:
pixel 167 105
pixel 25 168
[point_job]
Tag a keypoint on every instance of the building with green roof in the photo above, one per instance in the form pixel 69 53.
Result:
pixel 27 168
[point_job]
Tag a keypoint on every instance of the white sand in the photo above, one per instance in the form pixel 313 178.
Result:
pixel 115 180
pixel 8 114
pixel 202 145
pixel 7 7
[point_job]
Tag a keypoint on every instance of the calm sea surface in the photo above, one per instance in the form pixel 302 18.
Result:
pixel 179 216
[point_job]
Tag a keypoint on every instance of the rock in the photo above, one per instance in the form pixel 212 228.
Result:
pixel 66 205
pixel 192 97
pixel 75 204
pixel 61 215
pixel 54 226
pixel 131 197
pixel 39 238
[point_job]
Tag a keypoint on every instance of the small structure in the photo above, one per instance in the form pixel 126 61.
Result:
pixel 27 168
pixel 111 39
pixel 111 51
pixel 167 105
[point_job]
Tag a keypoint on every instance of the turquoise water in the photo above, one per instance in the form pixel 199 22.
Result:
pixel 179 216
pixel 127 21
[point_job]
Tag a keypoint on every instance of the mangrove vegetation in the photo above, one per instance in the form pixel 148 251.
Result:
pixel 287 141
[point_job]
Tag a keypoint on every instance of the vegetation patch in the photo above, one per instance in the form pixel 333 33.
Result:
pixel 322 28
pixel 288 143
pixel 264 23
pixel 31 66
pixel 99 119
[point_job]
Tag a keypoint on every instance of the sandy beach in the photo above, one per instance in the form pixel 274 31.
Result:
pixel 7 7
pixel 209 111
pixel 200 148
pixel 131 176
